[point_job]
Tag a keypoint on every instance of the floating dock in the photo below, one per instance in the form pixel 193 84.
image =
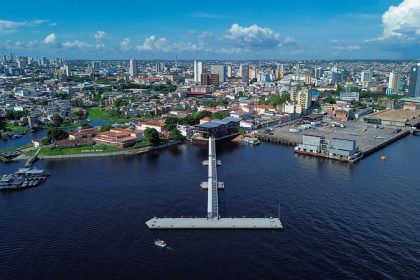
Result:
pixel 213 220
pixel 222 223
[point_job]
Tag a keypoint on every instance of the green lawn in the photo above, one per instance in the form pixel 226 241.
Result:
pixel 51 151
pixel 16 128
pixel 140 144
pixel 11 149
pixel 96 113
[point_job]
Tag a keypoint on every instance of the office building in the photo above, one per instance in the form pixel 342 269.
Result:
pixel 394 82
pixel 205 79
pixel 318 73
pixel 198 70
pixel 96 65
pixel 220 70
pixel 414 84
pixel 244 72
pixel 366 76
pixel 280 71
pixel 229 71
pixel 133 71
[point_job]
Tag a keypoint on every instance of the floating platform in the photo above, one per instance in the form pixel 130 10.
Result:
pixel 222 223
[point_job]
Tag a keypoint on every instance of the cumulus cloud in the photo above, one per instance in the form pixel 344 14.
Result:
pixel 402 21
pixel 125 44
pixel 99 35
pixel 51 39
pixel 152 43
pixel 9 26
pixel 252 37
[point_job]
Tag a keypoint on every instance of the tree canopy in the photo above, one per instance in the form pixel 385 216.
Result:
pixel 151 135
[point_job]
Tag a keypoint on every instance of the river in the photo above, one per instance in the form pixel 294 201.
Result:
pixel 340 221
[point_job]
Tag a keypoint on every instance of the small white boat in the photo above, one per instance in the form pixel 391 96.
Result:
pixel 160 243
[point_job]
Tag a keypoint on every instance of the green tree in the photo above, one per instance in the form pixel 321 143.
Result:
pixel 105 127
pixel 242 131
pixel 57 120
pixel 54 134
pixel 2 124
pixel 220 115
pixel 151 135
pixel 175 134
pixel 170 123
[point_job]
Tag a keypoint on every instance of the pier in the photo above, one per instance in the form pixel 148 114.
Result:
pixel 213 219
pixel 369 138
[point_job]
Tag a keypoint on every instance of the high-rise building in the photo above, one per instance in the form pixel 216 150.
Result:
pixel 297 72
pixel 44 61
pixel 214 79
pixel 229 71
pixel 394 82
pixel 133 71
pixel 280 71
pixel 198 70
pixel 366 76
pixel 414 84
pixel 160 67
pixel 318 72
pixel 244 71
pixel 205 79
pixel 219 69
pixel 67 70
pixel 96 65
pixel 308 78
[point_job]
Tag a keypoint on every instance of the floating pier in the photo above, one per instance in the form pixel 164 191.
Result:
pixel 222 223
pixel 213 220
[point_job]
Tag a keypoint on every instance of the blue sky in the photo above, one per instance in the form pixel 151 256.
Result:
pixel 300 29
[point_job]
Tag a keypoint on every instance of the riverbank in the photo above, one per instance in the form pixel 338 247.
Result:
pixel 125 152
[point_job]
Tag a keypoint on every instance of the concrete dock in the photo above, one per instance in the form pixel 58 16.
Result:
pixel 222 223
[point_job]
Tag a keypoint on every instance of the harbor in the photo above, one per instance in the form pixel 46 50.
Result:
pixel 368 138
pixel 213 219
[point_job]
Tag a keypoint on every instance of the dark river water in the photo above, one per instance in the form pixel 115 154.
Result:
pixel 341 221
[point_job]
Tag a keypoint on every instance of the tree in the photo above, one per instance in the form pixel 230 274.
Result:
pixel 242 131
pixel 170 123
pixel 105 127
pixel 54 134
pixel 151 135
pixel 57 120
pixel 220 115
pixel 2 124
pixel 175 134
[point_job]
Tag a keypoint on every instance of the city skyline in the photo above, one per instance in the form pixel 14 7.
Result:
pixel 234 30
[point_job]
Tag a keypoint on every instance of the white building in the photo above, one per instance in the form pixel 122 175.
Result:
pixel 133 71
pixel 198 70
pixel 394 82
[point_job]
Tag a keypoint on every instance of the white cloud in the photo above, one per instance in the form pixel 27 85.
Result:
pixel 77 44
pixel 9 26
pixel 100 35
pixel 347 47
pixel 252 37
pixel 152 43
pixel 402 21
pixel 125 44
pixel 51 39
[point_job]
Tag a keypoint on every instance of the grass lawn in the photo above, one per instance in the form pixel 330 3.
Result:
pixel 140 144
pixel 12 149
pixel 96 113
pixel 51 151
pixel 16 128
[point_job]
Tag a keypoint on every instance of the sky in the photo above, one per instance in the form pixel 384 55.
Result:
pixel 233 29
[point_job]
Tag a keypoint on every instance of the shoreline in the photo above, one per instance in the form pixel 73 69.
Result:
pixel 128 152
